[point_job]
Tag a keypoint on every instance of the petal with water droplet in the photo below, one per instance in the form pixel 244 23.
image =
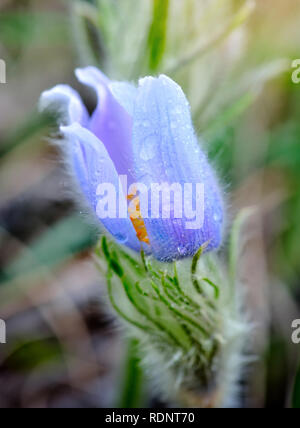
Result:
pixel 92 166
pixel 110 122
pixel 173 156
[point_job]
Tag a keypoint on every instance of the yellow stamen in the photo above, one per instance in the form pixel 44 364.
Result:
pixel 136 218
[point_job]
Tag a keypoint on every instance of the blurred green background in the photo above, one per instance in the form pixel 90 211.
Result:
pixel 233 59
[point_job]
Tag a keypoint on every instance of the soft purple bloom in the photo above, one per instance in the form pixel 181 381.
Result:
pixel 145 133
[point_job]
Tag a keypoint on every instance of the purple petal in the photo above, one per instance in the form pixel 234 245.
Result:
pixel 110 122
pixel 125 93
pixel 91 165
pixel 166 150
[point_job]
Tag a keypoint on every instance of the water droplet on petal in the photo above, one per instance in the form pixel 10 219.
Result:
pixel 148 148
pixel 122 239
pixel 170 172
pixel 181 250
pixel 177 111
pixel 217 216
pixel 145 179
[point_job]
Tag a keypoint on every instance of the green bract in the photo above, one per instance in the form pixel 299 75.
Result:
pixel 186 317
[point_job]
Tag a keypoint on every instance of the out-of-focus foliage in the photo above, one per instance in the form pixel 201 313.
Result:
pixel 66 238
pixel 296 392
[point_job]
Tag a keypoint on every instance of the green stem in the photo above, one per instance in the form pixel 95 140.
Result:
pixel 118 310
pixel 132 388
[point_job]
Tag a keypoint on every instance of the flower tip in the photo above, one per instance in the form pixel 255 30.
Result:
pixel 82 75
pixel 51 99
pixel 78 72
pixel 91 76
pixel 145 80
pixel 165 78
pixel 43 102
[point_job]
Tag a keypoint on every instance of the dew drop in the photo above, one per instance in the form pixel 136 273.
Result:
pixel 122 239
pixel 145 178
pixel 177 111
pixel 181 250
pixel 217 216
pixel 148 147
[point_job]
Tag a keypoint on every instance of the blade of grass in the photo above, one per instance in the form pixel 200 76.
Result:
pixel 66 239
pixel 296 392
pixel 132 391
pixel 158 33
pixel 34 125
pixel 238 20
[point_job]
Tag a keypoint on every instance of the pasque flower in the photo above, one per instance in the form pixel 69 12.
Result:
pixel 144 133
